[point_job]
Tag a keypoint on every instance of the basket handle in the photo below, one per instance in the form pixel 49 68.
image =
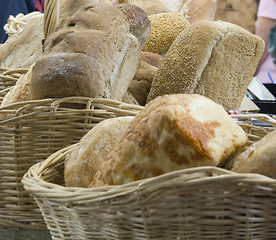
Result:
pixel 51 16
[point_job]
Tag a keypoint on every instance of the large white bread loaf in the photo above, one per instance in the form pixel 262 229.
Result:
pixel 213 58
pixel 172 132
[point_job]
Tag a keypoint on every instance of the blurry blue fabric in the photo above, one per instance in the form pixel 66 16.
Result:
pixel 272 43
pixel 13 7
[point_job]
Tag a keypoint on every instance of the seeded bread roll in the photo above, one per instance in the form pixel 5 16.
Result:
pixel 258 158
pixel 165 27
pixel 172 132
pixel 82 164
pixel 213 58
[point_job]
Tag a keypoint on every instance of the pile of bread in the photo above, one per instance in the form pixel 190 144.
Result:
pixel 167 55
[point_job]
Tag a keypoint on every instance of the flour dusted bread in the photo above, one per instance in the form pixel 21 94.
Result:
pixel 258 158
pixel 82 164
pixel 92 53
pixel 213 58
pixel 172 132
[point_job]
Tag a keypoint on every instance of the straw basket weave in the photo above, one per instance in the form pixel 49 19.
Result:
pixel 31 131
pixel 8 78
pixel 196 203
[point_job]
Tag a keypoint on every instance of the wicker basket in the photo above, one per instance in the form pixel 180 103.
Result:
pixel 196 203
pixel 30 132
pixel 8 78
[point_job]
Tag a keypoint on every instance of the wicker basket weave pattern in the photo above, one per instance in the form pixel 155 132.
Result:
pixel 32 131
pixel 196 203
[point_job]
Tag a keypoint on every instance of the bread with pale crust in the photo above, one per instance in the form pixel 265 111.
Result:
pixel 172 132
pixel 258 158
pixel 82 164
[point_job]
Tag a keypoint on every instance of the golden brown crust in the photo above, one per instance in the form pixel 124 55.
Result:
pixel 172 132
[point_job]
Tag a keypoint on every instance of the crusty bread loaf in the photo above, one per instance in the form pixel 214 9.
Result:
pixel 22 49
pixel 258 158
pixel 165 27
pixel 172 132
pixel 92 54
pixel 150 6
pixel 140 84
pixel 193 10
pixel 20 91
pixel 213 58
pixel 138 21
pixel 82 164
pixel 151 58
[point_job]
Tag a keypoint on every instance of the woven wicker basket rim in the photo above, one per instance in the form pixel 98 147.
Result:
pixel 33 180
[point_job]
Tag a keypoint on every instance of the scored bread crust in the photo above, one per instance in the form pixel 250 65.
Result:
pixel 171 133
pixel 212 58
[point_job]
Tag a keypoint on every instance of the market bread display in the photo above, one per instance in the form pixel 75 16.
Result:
pixel 83 163
pixel 259 158
pixel 165 27
pixel 172 132
pixel 91 54
pixel 213 58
